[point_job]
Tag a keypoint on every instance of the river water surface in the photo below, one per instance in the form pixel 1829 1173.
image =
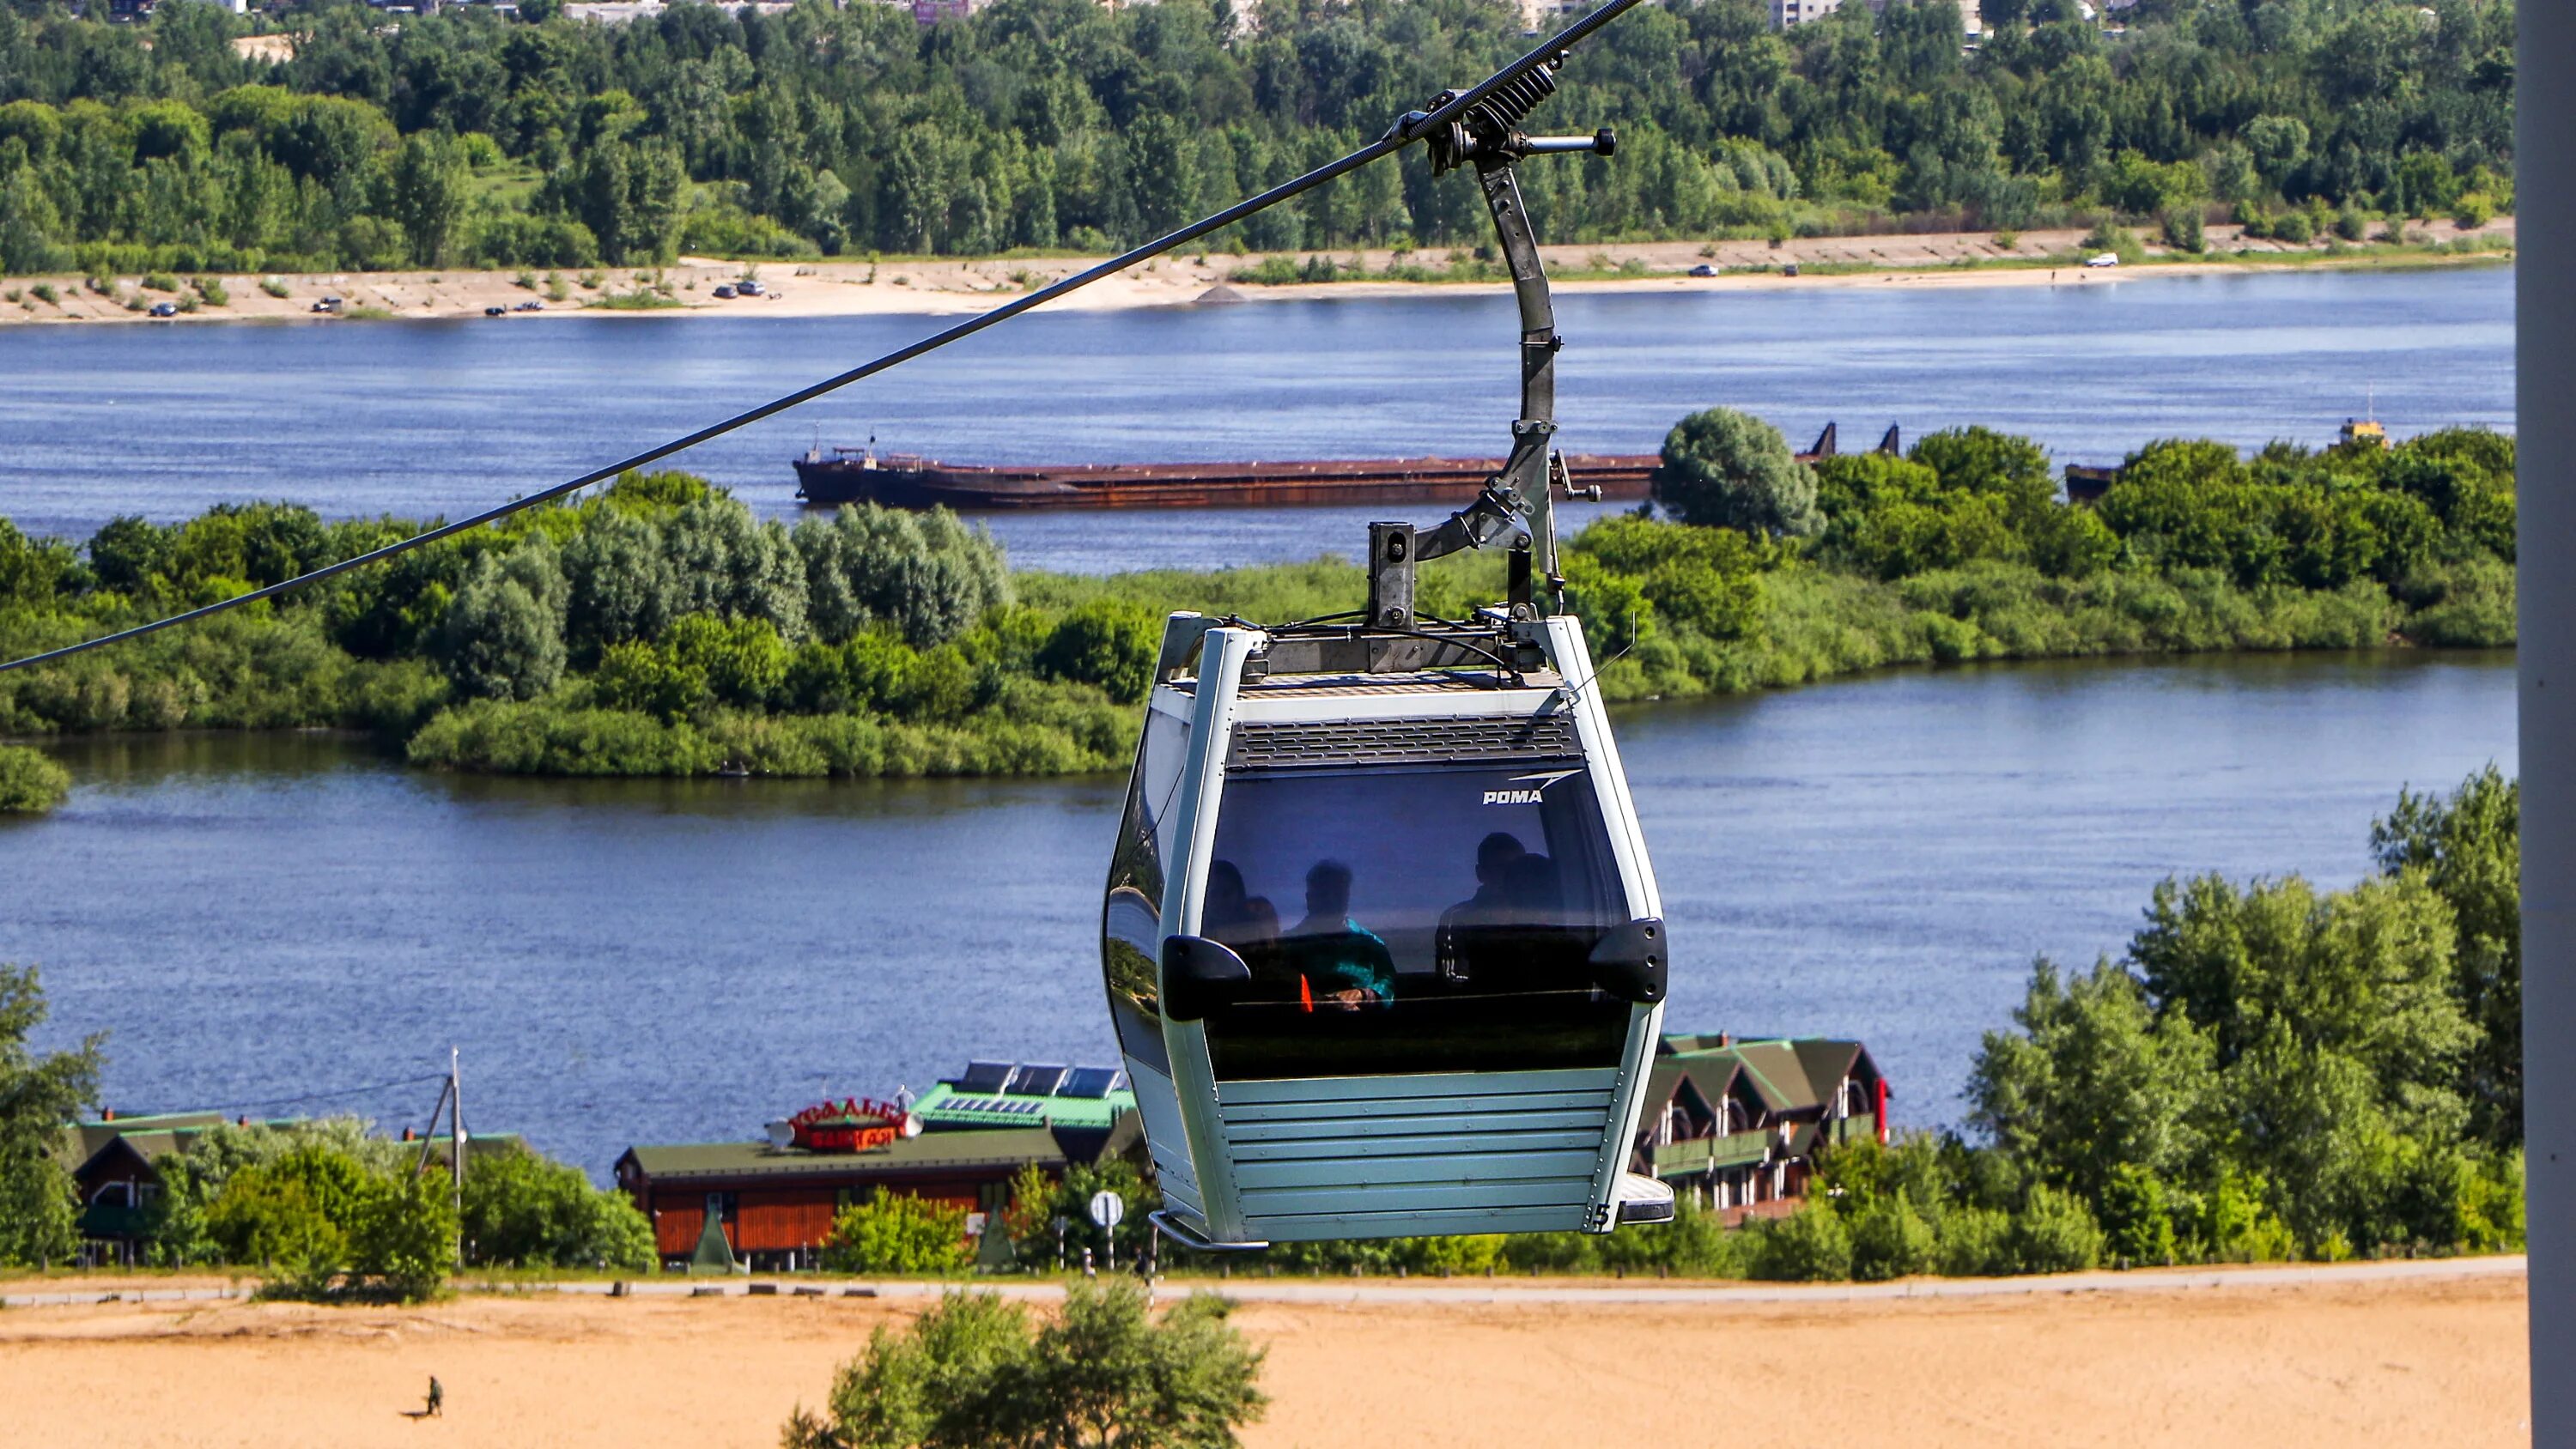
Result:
pixel 255 919
pixel 422 418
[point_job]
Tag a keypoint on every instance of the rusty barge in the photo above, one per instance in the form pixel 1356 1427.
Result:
pixel 830 477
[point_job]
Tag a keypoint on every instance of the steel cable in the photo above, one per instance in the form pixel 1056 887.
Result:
pixel 1412 127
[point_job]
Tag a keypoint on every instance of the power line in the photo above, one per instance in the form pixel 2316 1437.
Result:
pixel 336 1092
pixel 1413 126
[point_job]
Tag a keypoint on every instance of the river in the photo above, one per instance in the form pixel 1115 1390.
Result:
pixel 421 418
pixel 256 920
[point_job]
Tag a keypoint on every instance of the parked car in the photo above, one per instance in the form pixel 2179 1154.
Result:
pixel 724 292
pixel 1790 270
pixel 496 312
pixel 327 304
pixel 747 289
pixel 2106 259
pixel 1703 270
pixel 165 309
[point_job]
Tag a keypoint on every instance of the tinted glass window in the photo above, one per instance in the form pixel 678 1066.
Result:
pixel 1131 915
pixel 1413 920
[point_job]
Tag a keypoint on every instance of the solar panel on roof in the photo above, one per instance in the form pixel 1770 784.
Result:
pixel 1092 1082
pixel 985 1076
pixel 1035 1081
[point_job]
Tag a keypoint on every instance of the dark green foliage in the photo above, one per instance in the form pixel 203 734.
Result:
pixel 31 783
pixel 38 1094
pixel 503 636
pixel 1726 469
pixel 927 576
pixel 2270 1065
pixel 658 628
pixel 2467 848
pixel 522 1210
pixel 971 1373
pixel 845 129
pixel 1810 1245
pixel 1106 644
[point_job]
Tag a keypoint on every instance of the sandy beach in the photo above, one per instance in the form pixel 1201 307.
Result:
pixel 2328 1359
pixel 845 287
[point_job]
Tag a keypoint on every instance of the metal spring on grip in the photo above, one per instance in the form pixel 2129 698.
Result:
pixel 1517 97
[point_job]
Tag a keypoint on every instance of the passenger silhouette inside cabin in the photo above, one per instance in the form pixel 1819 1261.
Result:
pixel 1509 935
pixel 1337 961
pixel 1232 914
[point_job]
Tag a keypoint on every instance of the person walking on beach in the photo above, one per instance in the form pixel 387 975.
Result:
pixel 437 1408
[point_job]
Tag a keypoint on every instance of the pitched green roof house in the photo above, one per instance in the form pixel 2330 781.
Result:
pixel 1735 1125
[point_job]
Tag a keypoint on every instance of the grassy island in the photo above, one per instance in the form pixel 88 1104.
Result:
pixel 657 628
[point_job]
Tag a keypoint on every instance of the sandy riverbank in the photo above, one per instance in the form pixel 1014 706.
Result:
pixel 854 288
pixel 2323 1361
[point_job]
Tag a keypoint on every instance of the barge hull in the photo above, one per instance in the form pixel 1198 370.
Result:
pixel 1189 485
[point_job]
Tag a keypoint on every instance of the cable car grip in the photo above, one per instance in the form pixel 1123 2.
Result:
pixel 1631 962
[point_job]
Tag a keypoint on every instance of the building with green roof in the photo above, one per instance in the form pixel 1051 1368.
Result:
pixel 1734 1125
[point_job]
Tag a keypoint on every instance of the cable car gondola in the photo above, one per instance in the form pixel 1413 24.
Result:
pixel 1380 935
pixel 1382 944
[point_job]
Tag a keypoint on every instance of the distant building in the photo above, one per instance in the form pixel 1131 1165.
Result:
pixel 960 1144
pixel 1785 13
pixel 1734 1126
pixel 115 1163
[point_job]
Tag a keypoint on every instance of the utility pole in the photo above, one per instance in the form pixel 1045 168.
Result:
pixel 456 1146
pixel 2545 118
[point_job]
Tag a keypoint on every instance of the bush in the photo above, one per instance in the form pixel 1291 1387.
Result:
pixel 405 1245
pixel 1108 644
pixel 2054 1233
pixel 31 783
pixel 898 1233
pixel 971 1372
pixel 522 1210
pixel 1889 1239
pixel 2294 227
pixel 1811 1245
pixel 2183 230
pixel 1726 469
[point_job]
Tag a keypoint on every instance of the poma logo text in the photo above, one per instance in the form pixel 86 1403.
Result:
pixel 1536 794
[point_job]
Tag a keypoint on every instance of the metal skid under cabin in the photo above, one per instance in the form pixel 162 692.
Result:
pixel 1381 939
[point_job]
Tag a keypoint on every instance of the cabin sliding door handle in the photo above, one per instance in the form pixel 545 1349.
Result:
pixel 1630 963
pixel 1199 975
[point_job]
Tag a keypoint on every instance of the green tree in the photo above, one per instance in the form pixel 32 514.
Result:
pixel 31 783
pixel 1107 643
pixel 898 1233
pixel 526 1211
pixel 1726 469
pixel 2468 848
pixel 429 195
pixel 38 1095
pixel 501 638
pixel 1106 1372
pixel 405 1243
pixel 2094 1080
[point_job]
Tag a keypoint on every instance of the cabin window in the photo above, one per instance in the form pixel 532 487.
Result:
pixel 1131 927
pixel 1413 920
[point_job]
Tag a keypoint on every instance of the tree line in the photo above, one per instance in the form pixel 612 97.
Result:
pixel 464 137
pixel 658 628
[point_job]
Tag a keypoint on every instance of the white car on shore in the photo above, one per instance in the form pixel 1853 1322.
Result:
pixel 2106 259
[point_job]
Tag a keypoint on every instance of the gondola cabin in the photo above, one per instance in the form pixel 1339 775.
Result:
pixel 1381 939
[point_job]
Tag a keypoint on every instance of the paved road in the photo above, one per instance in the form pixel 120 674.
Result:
pixel 1490 1291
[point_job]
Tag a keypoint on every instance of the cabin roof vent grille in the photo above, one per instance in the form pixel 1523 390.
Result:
pixel 1404 741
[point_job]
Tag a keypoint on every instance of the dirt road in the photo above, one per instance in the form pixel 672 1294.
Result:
pixel 2274 1359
